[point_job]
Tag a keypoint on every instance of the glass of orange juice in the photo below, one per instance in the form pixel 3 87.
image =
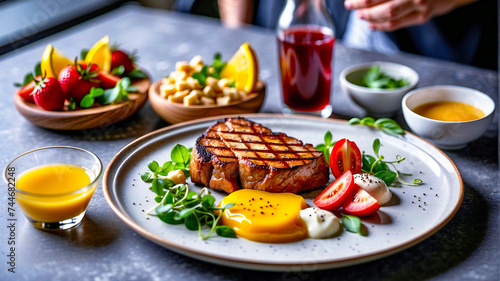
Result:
pixel 53 185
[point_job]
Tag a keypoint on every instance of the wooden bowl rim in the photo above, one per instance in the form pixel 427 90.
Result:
pixel 35 110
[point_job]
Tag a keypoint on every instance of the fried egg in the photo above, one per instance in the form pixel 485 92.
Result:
pixel 265 217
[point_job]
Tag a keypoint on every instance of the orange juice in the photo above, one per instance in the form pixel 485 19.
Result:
pixel 54 192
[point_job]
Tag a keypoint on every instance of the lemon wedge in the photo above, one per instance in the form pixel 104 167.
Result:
pixel 100 54
pixel 243 68
pixel 53 62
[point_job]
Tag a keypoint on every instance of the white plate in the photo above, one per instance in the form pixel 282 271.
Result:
pixel 420 212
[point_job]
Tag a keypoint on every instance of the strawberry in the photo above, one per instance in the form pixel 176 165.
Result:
pixel 119 57
pixel 48 94
pixel 108 80
pixel 77 80
pixel 26 90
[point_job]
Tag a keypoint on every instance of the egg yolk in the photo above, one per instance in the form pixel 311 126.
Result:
pixel 265 217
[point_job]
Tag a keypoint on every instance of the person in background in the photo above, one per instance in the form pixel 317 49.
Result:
pixel 463 31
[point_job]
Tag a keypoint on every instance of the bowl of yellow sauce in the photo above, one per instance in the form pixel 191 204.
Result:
pixel 53 185
pixel 448 116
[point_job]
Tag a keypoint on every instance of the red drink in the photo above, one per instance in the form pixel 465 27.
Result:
pixel 306 67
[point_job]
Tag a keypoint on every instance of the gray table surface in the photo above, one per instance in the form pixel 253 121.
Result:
pixel 104 248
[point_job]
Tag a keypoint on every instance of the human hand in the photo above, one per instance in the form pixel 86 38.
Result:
pixel 390 15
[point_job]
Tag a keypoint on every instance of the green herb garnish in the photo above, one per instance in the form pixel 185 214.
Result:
pixel 351 223
pixel 379 167
pixel 109 96
pixel 202 75
pixel 83 53
pixel 376 79
pixel 89 99
pixel 119 93
pixel 29 76
pixel 178 204
pixel 72 104
pixel 375 165
pixel 327 146
pixel 119 70
pixel 386 125
pixel 217 66
pixel 137 74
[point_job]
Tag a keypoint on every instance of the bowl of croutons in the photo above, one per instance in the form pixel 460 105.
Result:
pixel 197 90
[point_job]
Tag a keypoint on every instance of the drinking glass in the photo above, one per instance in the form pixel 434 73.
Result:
pixel 48 208
pixel 306 36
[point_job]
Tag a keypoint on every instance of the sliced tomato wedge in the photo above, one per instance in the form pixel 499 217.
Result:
pixel 361 204
pixel 108 80
pixel 334 195
pixel 26 90
pixel 345 156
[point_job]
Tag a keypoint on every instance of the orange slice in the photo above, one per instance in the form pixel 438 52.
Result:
pixel 100 54
pixel 53 62
pixel 243 68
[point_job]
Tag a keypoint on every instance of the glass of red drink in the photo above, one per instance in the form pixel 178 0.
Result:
pixel 305 44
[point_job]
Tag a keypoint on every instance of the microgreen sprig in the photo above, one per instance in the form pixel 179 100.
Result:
pixel 327 146
pixel 378 167
pixel 386 125
pixel 179 205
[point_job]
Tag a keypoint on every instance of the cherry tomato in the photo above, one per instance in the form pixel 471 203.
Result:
pixel 361 203
pixel 332 197
pixel 345 156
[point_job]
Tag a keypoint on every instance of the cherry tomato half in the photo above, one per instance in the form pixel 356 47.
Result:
pixel 25 91
pixel 332 197
pixel 361 203
pixel 345 156
pixel 108 80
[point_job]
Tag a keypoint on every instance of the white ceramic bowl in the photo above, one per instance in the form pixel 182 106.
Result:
pixel 445 134
pixel 377 102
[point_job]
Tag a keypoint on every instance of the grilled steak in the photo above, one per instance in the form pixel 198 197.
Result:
pixel 238 153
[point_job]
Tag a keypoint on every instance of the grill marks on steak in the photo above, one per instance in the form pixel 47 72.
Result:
pixel 240 153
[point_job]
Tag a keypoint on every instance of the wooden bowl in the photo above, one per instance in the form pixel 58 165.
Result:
pixel 178 112
pixel 89 118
